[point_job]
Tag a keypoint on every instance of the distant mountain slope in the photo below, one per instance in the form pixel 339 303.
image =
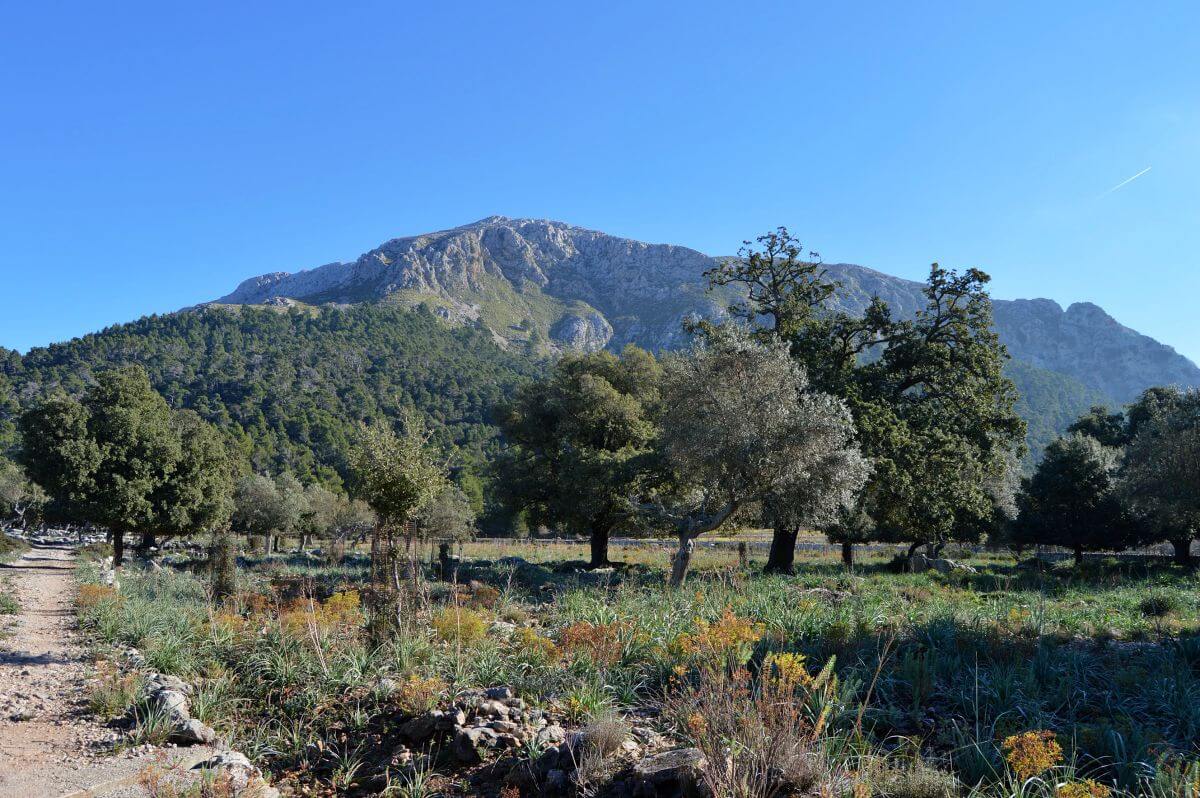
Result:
pixel 291 384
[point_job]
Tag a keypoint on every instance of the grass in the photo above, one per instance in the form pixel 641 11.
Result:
pixel 932 672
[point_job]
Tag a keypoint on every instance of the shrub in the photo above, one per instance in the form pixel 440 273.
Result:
pixel 460 625
pixel 604 736
pixel 912 780
pixel 724 644
pixel 1032 753
pixel 417 694
pixel 1088 788
pixel 91 596
pixel 534 646
pixel 600 642
pixel 764 730
pixel 1158 604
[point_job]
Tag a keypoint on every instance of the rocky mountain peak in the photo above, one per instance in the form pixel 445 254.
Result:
pixel 543 283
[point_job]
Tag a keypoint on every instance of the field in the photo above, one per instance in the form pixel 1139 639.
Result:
pixel 933 672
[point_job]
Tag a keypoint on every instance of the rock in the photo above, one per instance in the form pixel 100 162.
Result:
pixel 499 693
pixel 171 702
pixel 919 564
pixel 551 735
pixel 583 332
pixel 469 745
pixel 556 780
pixel 166 682
pixel 676 772
pixel 192 732
pixel 423 727
pixel 492 709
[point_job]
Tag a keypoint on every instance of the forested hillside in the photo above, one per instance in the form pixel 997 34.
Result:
pixel 291 384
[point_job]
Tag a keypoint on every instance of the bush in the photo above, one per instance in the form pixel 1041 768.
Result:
pixel 1158 604
pixel 912 780
pixel 460 625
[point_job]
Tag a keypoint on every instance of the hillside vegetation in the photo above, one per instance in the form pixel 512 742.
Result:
pixel 291 384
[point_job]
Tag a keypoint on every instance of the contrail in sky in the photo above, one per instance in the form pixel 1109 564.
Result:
pixel 1125 182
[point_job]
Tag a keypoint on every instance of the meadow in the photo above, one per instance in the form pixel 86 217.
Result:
pixel 1020 679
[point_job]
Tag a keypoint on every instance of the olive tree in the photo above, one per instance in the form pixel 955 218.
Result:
pixel 740 424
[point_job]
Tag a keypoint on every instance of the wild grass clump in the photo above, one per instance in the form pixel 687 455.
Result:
pixel 111 692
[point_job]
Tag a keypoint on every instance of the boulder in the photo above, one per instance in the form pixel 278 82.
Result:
pixel 669 774
pixel 192 732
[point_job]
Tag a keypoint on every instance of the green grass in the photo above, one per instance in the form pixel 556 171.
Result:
pixel 1107 658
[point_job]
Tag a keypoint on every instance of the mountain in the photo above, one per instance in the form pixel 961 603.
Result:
pixel 527 279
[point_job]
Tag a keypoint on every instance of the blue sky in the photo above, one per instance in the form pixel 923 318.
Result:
pixel 154 155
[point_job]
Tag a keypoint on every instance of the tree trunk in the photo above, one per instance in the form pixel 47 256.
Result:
pixel 148 542
pixel 1183 551
pixel 681 560
pixel 913 548
pixel 599 544
pixel 783 551
pixel 118 536
pixel 847 554
pixel 1078 555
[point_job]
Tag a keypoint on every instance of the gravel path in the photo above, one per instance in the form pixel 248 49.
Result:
pixel 48 745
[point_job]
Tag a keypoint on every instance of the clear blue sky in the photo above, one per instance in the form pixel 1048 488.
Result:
pixel 152 155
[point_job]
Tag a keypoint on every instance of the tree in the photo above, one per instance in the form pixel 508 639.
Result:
pixel 320 514
pixel 447 516
pixel 780 284
pixel 1161 474
pixel 268 507
pixel 397 474
pixel 18 495
pixel 1072 500
pixel 740 424
pixel 579 442
pixel 1106 427
pixel 934 413
pixel 104 459
pixel 197 495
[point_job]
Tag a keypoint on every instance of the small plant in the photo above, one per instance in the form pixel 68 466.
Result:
pixel 111 693
pixel 460 625
pixel 417 694
pixel 599 642
pixel 1088 788
pixel 91 596
pixel 1158 604
pixel 724 644
pixel 1032 753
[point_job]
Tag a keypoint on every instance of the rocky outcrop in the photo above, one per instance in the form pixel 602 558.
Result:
pixel 582 332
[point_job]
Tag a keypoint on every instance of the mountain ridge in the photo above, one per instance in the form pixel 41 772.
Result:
pixel 545 282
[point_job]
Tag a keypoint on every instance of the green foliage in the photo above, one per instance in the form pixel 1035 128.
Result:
pixel 1072 500
pixel 1161 474
pixel 291 386
pixel 446 516
pixel 396 473
pixel 122 459
pixel 1049 403
pixel 934 412
pixel 580 442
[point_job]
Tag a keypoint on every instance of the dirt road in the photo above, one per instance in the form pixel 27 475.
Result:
pixel 48 744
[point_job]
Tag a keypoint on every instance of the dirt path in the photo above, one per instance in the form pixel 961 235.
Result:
pixel 48 744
